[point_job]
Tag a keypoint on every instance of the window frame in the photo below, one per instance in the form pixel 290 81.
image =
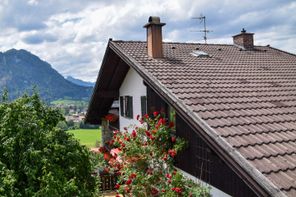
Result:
pixel 143 105
pixel 126 106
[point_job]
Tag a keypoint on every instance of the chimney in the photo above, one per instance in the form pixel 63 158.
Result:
pixel 244 40
pixel 154 37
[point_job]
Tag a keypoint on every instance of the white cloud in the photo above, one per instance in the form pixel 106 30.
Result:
pixel 33 2
pixel 72 35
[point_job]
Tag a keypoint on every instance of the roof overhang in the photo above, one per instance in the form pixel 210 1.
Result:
pixel 106 90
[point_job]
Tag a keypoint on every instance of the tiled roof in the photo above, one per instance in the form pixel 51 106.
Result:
pixel 247 97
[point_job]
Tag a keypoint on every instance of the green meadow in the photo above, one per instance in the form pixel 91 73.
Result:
pixel 87 137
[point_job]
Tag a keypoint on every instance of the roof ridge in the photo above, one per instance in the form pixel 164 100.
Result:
pixel 128 41
pixel 187 43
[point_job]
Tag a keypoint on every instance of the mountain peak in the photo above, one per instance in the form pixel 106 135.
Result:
pixel 23 70
pixel 80 82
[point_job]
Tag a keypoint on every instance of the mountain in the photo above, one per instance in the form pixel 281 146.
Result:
pixel 20 71
pixel 80 82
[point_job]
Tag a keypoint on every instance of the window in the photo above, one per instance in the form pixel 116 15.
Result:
pixel 121 106
pixel 143 105
pixel 126 106
pixel 198 53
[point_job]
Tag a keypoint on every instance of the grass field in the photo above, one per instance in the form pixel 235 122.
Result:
pixel 87 137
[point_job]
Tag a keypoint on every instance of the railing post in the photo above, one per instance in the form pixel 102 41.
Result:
pixel 106 132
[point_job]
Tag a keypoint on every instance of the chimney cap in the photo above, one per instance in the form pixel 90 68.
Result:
pixel 154 20
pixel 243 32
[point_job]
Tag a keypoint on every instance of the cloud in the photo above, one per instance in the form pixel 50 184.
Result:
pixel 72 35
pixel 39 38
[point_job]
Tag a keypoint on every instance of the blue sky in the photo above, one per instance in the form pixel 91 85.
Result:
pixel 72 34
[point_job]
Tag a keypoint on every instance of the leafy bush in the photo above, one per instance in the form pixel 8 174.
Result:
pixel 143 160
pixel 38 159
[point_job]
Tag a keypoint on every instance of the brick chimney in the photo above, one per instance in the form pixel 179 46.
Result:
pixel 154 37
pixel 244 40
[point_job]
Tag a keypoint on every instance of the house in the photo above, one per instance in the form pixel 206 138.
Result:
pixel 235 104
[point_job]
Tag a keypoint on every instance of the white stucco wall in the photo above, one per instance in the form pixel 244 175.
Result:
pixel 215 192
pixel 132 86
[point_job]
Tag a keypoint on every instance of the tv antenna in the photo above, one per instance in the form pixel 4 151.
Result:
pixel 204 30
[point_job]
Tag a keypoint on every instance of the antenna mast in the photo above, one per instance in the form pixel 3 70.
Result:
pixel 205 30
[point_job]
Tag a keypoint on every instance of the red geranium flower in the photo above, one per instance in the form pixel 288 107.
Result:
pixel 177 189
pixel 160 122
pixel 106 170
pixel 168 176
pixel 165 157
pixel 117 186
pixel 110 117
pixel 173 139
pixel 148 133
pixel 107 156
pixel 133 175
pixel 127 189
pixel 172 152
pixel 134 134
pixel 128 182
pixel 155 113
pixel 102 149
pixel 171 125
pixel 154 191
pixel 174 172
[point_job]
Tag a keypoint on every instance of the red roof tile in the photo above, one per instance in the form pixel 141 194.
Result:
pixel 247 97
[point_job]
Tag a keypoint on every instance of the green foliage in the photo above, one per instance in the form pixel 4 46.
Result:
pixel 144 158
pixel 38 159
pixel 62 125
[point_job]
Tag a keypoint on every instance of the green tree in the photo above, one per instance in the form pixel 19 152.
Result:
pixel 62 125
pixel 38 159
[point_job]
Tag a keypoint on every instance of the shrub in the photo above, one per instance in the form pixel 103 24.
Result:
pixel 38 159
pixel 143 160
